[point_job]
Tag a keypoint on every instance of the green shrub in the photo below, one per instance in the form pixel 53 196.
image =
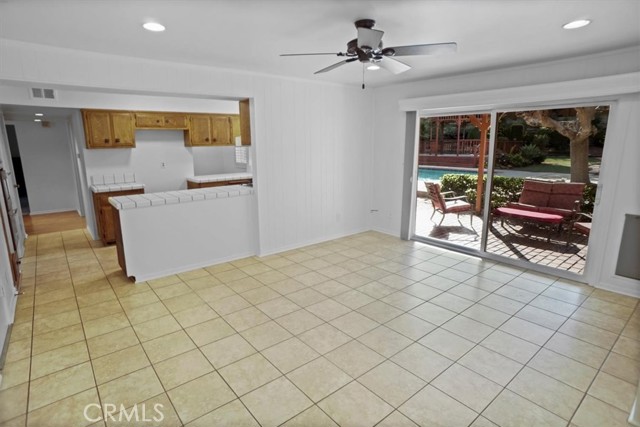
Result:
pixel 505 189
pixel 589 198
pixel 532 153
pixel 517 160
pixel 541 141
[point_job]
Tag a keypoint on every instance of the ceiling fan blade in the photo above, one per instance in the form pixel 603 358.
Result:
pixel 310 54
pixel 369 38
pixel 421 49
pixel 393 65
pixel 336 65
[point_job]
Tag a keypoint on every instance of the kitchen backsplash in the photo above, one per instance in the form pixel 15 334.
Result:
pixel 115 178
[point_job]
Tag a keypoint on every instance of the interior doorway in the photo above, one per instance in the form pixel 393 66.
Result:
pixel 18 170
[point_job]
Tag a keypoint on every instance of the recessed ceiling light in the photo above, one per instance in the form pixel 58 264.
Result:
pixel 39 114
pixel 579 23
pixel 373 67
pixel 37 120
pixel 153 26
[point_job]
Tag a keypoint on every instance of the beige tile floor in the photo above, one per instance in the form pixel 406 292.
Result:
pixel 360 331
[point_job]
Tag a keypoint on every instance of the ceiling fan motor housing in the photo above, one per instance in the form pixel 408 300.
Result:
pixel 365 23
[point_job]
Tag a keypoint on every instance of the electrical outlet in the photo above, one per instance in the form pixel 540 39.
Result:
pixel 163 165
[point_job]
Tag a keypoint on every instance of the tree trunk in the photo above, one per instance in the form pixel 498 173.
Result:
pixel 580 159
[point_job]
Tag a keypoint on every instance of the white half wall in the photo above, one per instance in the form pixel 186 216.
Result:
pixel 45 153
pixel 312 141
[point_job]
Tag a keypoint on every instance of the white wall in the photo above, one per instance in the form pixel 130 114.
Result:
pixel 212 160
pixel 153 148
pixel 45 153
pixel 312 143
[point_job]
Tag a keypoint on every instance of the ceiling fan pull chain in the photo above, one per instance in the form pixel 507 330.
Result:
pixel 363 76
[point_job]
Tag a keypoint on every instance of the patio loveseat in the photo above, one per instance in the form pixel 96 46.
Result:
pixel 550 197
pixel 547 203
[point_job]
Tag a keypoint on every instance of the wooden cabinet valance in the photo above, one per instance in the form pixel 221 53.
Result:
pixel 151 120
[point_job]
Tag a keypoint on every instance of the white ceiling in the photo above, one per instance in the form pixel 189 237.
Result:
pixel 27 113
pixel 250 34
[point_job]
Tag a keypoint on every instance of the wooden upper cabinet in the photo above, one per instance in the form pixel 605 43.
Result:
pixel 108 129
pixel 199 132
pixel 97 127
pixel 221 130
pixel 208 130
pixel 123 130
pixel 235 128
pixel 245 122
pixel 151 120
pixel 116 128
pixel 176 121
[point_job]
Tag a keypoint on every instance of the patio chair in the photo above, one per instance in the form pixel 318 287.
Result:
pixel 451 204
pixel 581 223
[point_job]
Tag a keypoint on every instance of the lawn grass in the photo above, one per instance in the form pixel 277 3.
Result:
pixel 556 164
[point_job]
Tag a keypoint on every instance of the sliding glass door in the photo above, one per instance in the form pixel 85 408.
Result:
pixel 512 185
pixel 451 156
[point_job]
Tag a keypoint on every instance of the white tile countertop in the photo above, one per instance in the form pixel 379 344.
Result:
pixel 219 177
pixel 116 187
pixel 114 182
pixel 182 196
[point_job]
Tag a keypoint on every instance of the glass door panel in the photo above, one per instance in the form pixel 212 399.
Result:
pixel 543 190
pixel 451 156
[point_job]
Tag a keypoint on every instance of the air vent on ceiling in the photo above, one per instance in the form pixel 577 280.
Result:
pixel 37 92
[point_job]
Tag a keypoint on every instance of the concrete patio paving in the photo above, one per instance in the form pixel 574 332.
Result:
pixel 526 242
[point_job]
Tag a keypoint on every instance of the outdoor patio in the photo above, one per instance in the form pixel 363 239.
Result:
pixel 527 242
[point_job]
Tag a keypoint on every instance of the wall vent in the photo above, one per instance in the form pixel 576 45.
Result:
pixel 37 92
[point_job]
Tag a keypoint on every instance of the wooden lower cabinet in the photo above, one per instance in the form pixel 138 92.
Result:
pixel 104 213
pixel 191 185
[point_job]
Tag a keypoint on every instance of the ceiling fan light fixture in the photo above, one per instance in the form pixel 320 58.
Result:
pixel 373 67
pixel 578 23
pixel 153 26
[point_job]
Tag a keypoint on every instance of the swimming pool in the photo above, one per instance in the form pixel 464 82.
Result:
pixel 436 174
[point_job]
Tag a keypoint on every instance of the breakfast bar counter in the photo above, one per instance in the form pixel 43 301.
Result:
pixel 216 180
pixel 159 234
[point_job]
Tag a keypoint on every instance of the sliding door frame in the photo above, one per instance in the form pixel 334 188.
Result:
pixel 586 276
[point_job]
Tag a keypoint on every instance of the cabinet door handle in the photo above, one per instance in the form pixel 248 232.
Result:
pixel 106 140
pixel 206 139
pixel 117 139
pixel 215 139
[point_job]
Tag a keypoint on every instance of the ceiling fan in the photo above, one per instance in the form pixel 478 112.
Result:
pixel 368 49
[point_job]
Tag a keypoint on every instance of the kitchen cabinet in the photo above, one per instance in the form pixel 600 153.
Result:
pixel 209 130
pixel 109 129
pixel 235 128
pixel 245 122
pixel 104 213
pixel 154 120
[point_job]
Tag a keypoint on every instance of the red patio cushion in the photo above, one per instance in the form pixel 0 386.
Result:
pixel 534 216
